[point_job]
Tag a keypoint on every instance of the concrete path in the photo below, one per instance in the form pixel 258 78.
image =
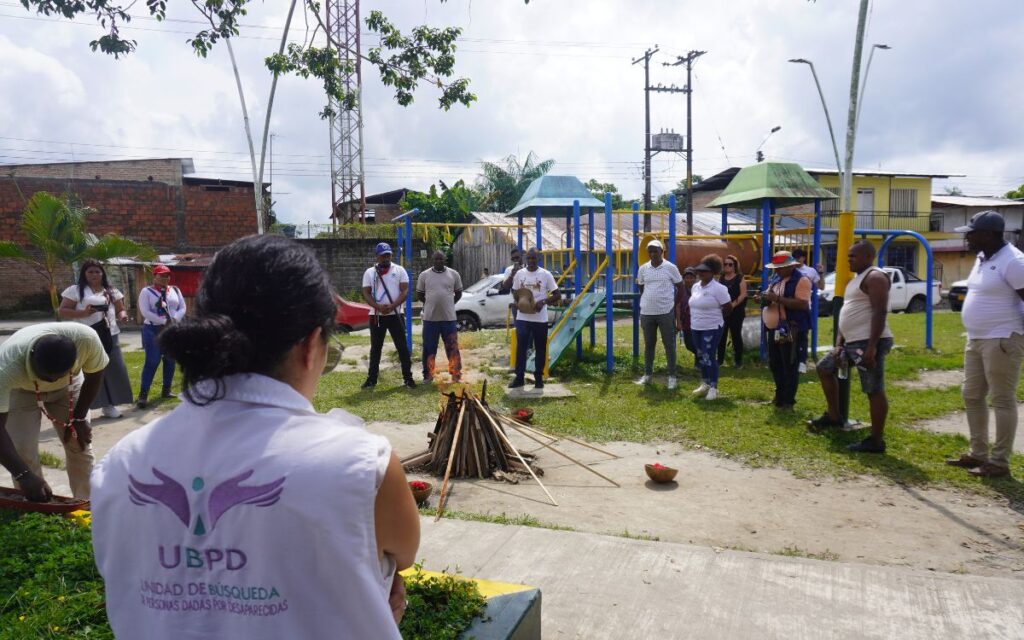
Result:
pixel 598 586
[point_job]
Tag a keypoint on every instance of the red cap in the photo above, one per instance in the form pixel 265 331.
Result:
pixel 161 268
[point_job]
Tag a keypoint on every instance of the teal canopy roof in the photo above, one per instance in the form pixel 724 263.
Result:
pixel 555 195
pixel 784 182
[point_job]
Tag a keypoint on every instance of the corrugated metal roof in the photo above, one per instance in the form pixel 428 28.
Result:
pixel 555 194
pixel 784 182
pixel 972 201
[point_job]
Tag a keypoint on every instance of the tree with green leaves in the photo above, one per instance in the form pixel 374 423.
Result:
pixel 506 181
pixel 1016 194
pixel 402 60
pixel 680 192
pixel 452 204
pixel 598 189
pixel 56 227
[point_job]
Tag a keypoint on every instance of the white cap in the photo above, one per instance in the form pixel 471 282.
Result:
pixel 655 244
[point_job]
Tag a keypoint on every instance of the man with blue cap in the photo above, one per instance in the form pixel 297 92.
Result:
pixel 385 288
pixel 993 315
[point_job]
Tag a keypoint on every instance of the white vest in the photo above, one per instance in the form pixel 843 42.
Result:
pixel 252 517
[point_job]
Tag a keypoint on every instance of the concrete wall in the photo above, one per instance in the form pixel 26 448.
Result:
pixel 167 170
pixel 345 259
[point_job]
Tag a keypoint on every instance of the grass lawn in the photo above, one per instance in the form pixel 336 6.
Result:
pixel 741 425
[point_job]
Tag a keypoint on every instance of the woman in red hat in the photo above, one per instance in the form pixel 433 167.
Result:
pixel 161 304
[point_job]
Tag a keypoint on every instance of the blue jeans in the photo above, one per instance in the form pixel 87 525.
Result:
pixel 150 332
pixel 448 331
pixel 535 333
pixel 707 354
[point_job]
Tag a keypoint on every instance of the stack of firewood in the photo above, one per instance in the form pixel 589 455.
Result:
pixel 469 441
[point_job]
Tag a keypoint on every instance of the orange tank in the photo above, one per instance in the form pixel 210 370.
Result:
pixel 690 252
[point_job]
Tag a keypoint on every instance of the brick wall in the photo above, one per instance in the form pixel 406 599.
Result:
pixel 172 219
pixel 345 259
pixel 167 170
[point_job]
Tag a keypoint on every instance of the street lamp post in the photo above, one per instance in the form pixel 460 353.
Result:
pixel 828 118
pixel 757 153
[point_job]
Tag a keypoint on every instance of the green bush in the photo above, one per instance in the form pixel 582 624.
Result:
pixel 440 607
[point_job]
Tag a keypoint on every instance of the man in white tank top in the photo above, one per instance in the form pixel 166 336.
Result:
pixel 863 340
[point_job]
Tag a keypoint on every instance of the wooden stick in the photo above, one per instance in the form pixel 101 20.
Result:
pixel 568 457
pixel 501 434
pixel 582 444
pixel 476 458
pixel 448 471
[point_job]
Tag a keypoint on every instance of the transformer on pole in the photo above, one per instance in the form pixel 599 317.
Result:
pixel 348 191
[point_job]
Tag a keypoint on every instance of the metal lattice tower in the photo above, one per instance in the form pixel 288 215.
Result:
pixel 348 191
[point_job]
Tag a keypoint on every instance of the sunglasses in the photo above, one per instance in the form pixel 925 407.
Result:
pixel 730 264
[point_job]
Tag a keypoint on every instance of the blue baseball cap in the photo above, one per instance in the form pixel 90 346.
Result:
pixel 382 248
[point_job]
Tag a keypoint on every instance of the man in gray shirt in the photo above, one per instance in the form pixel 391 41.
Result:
pixel 439 288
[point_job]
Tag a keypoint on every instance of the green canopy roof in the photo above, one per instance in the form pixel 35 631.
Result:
pixel 784 182
pixel 555 195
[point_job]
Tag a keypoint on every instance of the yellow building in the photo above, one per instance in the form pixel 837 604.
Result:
pixel 889 201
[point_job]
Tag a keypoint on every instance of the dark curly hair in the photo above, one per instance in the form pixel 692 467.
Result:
pixel 714 261
pixel 259 298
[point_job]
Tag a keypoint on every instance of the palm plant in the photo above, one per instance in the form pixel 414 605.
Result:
pixel 506 181
pixel 56 227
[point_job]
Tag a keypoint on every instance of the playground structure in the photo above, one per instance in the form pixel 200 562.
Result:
pixel 599 268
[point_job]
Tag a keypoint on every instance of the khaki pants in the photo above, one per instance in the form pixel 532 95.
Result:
pixel 23 425
pixel 992 369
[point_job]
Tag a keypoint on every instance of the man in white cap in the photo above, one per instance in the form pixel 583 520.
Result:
pixel 385 288
pixel 658 281
pixel 993 315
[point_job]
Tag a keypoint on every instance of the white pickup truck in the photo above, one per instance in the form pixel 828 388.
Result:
pixel 908 292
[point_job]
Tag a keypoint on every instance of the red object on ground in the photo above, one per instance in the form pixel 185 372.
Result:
pixel 351 316
pixel 419 485
pixel 658 465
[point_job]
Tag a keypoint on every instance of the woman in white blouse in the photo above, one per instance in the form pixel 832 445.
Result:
pixel 93 302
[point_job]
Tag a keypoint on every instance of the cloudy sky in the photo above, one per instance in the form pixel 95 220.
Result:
pixel 553 77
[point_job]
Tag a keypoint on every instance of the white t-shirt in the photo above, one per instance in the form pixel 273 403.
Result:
pixel 706 305
pixel 95 298
pixel 992 308
pixel 811 274
pixel 540 283
pixel 261 537
pixel 390 283
pixel 149 305
pixel 659 296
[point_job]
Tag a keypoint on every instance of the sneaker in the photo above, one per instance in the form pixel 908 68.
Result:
pixel 645 379
pixel 142 401
pixel 701 391
pixel 369 384
pixel 538 385
pixel 712 394
pixel 990 470
pixel 823 423
pixel 515 384
pixel 167 393
pixel 410 383
pixel 110 411
pixel 803 367
pixel 867 445
pixel 966 461
pixel 672 383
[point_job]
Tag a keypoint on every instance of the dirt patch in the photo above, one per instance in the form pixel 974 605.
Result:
pixel 479 363
pixel 720 503
pixel 933 380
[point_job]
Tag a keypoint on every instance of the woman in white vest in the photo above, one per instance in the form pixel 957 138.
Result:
pixel 245 513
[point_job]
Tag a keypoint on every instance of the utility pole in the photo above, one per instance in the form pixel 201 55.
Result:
pixel 647 132
pixel 688 60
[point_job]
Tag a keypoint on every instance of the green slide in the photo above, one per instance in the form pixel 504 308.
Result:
pixel 589 304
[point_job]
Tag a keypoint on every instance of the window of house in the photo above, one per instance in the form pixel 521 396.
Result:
pixel 903 256
pixel 903 203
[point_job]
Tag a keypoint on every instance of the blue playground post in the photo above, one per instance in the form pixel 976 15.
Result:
pixel 540 245
pixel 670 250
pixel 930 266
pixel 636 290
pixel 577 274
pixel 519 237
pixel 592 264
pixel 815 257
pixel 408 297
pixel 609 278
